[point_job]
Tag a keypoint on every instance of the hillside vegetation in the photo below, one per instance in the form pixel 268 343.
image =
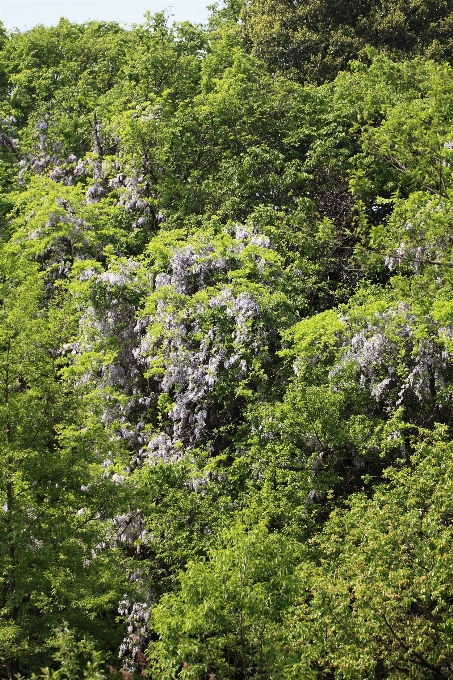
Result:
pixel 226 345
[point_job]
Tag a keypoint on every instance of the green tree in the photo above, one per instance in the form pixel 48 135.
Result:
pixel 226 617
pixel 312 40
pixel 382 592
pixel 53 495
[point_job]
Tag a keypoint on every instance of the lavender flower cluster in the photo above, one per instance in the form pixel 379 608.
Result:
pixel 132 648
pixel 393 363
pixel 201 333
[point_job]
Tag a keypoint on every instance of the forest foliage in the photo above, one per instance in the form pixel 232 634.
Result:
pixel 226 345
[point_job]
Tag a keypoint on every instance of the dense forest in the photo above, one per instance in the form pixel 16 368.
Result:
pixel 226 345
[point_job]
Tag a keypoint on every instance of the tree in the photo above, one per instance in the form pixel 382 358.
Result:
pixel 54 497
pixel 382 592
pixel 312 40
pixel 226 618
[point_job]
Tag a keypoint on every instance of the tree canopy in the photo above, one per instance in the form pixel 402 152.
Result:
pixel 312 40
pixel 226 345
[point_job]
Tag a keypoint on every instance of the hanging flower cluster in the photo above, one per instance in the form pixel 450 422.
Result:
pixel 189 333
